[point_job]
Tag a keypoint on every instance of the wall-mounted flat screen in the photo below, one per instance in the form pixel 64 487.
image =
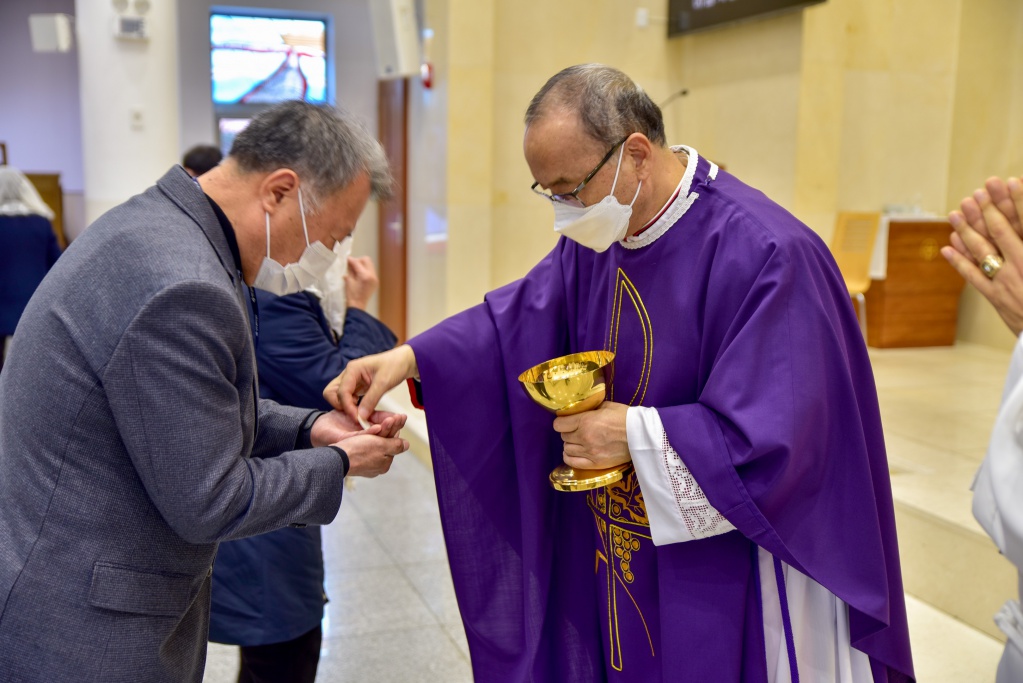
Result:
pixel 262 60
pixel 228 129
pixel 688 16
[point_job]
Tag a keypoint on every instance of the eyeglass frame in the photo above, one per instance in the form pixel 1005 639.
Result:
pixel 574 194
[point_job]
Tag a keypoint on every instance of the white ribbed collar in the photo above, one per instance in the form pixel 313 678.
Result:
pixel 677 206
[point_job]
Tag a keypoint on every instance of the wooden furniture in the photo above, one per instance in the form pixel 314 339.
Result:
pixel 48 186
pixel 917 302
pixel 852 246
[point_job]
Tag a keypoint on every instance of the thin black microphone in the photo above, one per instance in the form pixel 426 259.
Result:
pixel 674 96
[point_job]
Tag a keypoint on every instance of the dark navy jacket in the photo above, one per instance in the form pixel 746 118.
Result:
pixel 28 248
pixel 269 588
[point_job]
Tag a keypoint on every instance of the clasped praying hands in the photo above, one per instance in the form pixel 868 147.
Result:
pixel 987 246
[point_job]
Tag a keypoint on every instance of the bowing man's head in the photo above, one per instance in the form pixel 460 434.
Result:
pixel 298 175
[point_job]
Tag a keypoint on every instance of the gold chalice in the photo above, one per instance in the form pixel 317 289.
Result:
pixel 566 386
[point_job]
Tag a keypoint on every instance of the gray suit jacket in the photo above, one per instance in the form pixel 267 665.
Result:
pixel 130 445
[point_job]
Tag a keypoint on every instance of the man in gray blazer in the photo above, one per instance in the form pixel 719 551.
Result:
pixel 132 438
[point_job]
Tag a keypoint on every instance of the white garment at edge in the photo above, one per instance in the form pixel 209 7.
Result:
pixel 19 197
pixel 820 621
pixel 998 506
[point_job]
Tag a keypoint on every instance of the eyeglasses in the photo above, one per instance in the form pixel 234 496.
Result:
pixel 572 198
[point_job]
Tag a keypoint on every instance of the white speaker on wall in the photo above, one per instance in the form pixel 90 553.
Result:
pixel 50 32
pixel 396 37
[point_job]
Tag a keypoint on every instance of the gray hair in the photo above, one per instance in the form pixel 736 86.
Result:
pixel 609 104
pixel 326 146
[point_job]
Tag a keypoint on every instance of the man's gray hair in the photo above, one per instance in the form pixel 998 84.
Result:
pixel 326 146
pixel 609 104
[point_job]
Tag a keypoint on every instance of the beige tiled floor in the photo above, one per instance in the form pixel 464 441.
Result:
pixel 393 615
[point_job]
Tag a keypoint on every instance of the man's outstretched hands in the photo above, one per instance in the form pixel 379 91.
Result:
pixel 370 377
pixel 371 450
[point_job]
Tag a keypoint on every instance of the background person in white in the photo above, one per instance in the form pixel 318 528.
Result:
pixel 987 250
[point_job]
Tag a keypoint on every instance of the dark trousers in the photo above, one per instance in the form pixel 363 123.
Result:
pixel 293 661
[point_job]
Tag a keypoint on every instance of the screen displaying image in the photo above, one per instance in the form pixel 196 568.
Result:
pixel 228 129
pixel 687 16
pixel 262 60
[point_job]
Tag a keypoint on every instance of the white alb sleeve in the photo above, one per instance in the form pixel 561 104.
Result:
pixel 676 506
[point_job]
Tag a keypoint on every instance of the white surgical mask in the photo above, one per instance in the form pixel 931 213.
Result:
pixel 598 226
pixel 294 277
pixel 331 288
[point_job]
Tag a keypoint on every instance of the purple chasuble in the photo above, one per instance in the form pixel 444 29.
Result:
pixel 736 325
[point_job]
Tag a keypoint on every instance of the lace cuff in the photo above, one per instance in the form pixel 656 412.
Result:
pixel 676 506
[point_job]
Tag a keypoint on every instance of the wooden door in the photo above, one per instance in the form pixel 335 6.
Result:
pixel 392 106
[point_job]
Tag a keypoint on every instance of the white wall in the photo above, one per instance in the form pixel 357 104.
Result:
pixel 117 78
pixel 39 96
pixel 428 134
pixel 39 105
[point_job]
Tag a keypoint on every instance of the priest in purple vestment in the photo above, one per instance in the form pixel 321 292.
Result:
pixel 754 539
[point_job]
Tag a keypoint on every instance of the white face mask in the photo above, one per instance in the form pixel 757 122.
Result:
pixel 294 277
pixel 331 288
pixel 598 226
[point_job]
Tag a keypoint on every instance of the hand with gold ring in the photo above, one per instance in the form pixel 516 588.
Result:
pixel 991 264
pixel 987 243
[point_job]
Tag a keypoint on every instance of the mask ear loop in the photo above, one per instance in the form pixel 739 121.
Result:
pixel 636 195
pixel 267 214
pixel 301 207
pixel 618 168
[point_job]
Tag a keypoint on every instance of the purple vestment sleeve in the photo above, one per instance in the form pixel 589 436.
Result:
pixel 492 450
pixel 785 437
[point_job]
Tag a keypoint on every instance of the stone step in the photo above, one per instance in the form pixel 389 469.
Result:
pixel 937 408
pixel 945 650
pixel 955 569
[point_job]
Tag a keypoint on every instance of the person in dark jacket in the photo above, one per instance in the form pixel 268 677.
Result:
pixel 28 247
pixel 268 592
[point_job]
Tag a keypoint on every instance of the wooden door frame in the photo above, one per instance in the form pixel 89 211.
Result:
pixel 392 220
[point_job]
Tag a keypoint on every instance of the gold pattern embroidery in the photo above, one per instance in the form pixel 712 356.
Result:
pixel 619 547
pixel 626 501
pixel 624 544
pixel 618 509
pixel 623 287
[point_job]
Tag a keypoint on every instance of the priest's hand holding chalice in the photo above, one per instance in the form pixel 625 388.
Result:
pixel 569 386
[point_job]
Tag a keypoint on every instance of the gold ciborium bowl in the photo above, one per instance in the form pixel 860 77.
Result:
pixel 565 386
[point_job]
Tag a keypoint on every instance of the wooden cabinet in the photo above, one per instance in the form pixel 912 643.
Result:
pixel 917 303
pixel 48 186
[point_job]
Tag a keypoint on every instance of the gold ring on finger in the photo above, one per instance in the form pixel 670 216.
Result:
pixel 991 265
